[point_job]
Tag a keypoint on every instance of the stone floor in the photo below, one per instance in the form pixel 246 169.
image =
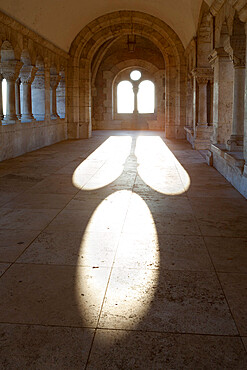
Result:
pixel 125 251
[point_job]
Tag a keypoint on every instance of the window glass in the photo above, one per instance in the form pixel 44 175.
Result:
pixel 125 97
pixel 145 97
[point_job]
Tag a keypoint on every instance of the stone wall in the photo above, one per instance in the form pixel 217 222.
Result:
pixel 222 41
pixel 34 70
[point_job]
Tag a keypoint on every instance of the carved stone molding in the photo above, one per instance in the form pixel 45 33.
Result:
pixel 241 7
pixel 54 80
pixel 203 75
pixel 27 74
pixel 216 54
pixel 10 69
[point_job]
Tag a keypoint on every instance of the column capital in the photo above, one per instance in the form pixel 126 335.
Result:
pixel 203 75
pixel 39 80
pixel 235 46
pixel 241 7
pixel 54 80
pixel 216 54
pixel 27 74
pixel 10 69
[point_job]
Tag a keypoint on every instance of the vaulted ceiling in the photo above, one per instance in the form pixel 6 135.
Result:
pixel 59 21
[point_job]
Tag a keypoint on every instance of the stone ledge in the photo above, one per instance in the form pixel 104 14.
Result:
pixel 234 159
pixel 232 166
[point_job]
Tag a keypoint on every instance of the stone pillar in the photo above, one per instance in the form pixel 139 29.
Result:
pixel 240 7
pixel 54 81
pixel 18 98
pixel 189 101
pixel 236 49
pixel 202 101
pixel 235 143
pixel 27 75
pixel 47 92
pixel 1 98
pixel 135 91
pixel 201 76
pixel 222 95
pixel 38 95
pixel 10 71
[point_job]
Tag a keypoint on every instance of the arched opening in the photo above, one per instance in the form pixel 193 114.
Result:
pixel 146 97
pixel 4 95
pixel 94 70
pixel 61 96
pixel 125 97
pixel 38 91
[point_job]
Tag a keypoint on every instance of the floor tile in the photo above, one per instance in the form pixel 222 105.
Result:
pixel 235 288
pixel 39 201
pixel 55 184
pixel 171 252
pixel 228 254
pixel 13 243
pixel 168 301
pixel 52 295
pixel 3 267
pixel 72 248
pixel 113 349
pixel 42 347
pixel 26 219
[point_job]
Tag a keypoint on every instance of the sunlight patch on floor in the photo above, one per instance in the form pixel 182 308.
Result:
pixel 104 165
pixel 159 168
pixel 127 292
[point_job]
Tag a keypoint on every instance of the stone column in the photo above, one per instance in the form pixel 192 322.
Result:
pixel 18 98
pixel 27 75
pixel 10 71
pixel 202 101
pixel 54 81
pixel 1 98
pixel 38 95
pixel 135 91
pixel 240 7
pixel 222 95
pixel 202 77
pixel 235 143
pixel 236 48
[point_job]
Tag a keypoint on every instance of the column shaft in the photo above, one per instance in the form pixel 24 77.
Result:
pixel 26 103
pixel 18 99
pixel 10 106
pixel 202 104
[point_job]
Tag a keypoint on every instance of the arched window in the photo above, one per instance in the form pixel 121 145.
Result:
pixel 125 97
pixel 145 97
pixel 135 94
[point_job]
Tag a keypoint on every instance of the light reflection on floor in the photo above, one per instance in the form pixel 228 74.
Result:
pixel 126 214
pixel 125 293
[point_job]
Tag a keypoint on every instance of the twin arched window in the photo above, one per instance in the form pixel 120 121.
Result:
pixel 134 96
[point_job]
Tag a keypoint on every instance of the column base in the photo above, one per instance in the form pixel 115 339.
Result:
pixel 10 120
pixel 235 143
pixel 26 118
pixel 39 117
pixel 54 116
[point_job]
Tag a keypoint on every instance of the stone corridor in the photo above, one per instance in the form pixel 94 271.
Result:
pixel 125 251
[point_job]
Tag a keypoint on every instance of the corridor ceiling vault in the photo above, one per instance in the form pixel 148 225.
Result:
pixel 59 21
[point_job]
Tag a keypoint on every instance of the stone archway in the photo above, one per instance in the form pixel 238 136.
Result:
pixel 98 34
